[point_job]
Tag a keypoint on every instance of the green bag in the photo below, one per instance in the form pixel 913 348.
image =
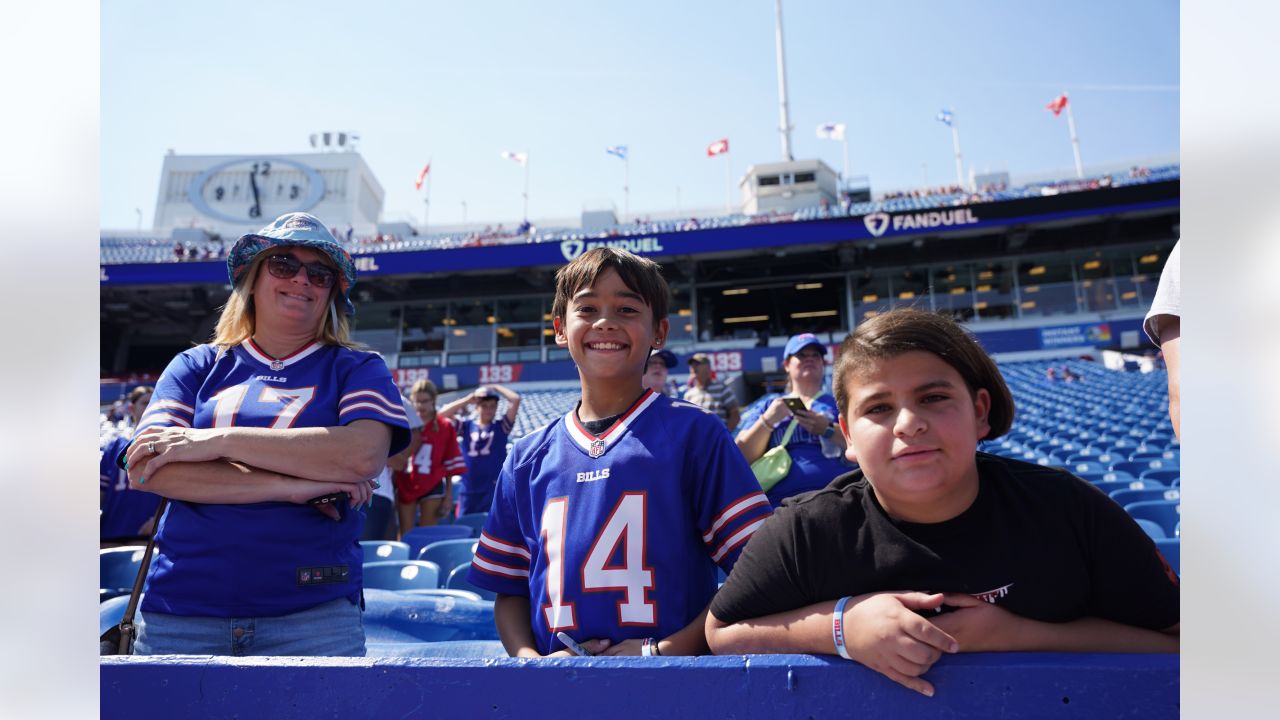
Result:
pixel 774 465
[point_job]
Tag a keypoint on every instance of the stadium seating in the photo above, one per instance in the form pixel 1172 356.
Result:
pixel 1152 528
pixel 442 592
pixel 118 569
pixel 400 617
pixel 375 550
pixel 401 575
pixel 458 580
pixel 475 521
pixel 1163 476
pixel 1166 513
pixel 420 537
pixel 449 554
pixel 1127 496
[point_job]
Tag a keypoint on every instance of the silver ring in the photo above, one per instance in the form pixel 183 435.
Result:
pixel 151 447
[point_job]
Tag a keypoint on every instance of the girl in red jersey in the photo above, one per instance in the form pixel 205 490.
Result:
pixel 423 493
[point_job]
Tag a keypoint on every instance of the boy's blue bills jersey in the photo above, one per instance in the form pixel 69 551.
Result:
pixel 271 558
pixel 617 536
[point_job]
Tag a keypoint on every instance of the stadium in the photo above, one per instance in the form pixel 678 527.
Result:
pixel 1052 272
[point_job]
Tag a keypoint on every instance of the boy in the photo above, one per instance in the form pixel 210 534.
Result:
pixel 422 491
pixel 1026 558
pixel 607 524
pixel 484 442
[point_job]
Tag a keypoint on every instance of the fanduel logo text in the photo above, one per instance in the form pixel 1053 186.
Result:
pixel 640 246
pixel 878 223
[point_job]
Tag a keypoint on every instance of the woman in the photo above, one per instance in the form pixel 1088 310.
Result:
pixel 816 444
pixel 278 410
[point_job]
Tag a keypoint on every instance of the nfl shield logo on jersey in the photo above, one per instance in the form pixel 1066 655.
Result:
pixel 597 448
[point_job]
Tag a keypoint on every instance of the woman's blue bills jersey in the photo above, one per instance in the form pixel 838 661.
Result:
pixel 485 449
pixel 271 558
pixel 618 535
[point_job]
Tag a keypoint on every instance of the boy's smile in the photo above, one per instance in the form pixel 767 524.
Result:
pixel 913 427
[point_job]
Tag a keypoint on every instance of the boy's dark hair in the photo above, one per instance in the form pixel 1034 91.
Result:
pixel 642 275
pixel 906 330
pixel 424 386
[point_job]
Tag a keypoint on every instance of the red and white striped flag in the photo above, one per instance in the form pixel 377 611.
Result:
pixel 422 176
pixel 1057 104
pixel 718 147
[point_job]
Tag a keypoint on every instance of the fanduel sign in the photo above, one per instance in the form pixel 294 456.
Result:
pixel 640 246
pixel 878 223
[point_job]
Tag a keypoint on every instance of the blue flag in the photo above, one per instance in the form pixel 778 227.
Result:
pixel 619 150
pixel 944 116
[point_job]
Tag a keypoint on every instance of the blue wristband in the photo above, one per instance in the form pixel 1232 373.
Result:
pixel 837 627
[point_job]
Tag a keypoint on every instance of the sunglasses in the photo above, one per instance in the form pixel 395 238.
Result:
pixel 287 266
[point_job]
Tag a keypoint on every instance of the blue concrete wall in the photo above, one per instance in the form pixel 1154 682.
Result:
pixel 774 687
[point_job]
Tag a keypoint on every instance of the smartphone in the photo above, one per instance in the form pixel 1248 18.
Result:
pixel 330 505
pixel 573 645
pixel 794 404
pixel 330 498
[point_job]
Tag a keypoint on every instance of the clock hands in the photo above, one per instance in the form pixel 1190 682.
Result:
pixel 256 210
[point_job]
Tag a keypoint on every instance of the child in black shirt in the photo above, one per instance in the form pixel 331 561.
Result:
pixel 932 547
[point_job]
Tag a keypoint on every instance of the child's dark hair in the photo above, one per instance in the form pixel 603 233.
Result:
pixel 906 330
pixel 641 275
pixel 424 386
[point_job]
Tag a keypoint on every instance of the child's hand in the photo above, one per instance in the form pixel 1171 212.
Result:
pixel 883 632
pixel 596 647
pixel 626 647
pixel 978 625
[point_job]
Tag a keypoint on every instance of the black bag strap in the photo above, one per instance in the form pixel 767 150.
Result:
pixel 126 623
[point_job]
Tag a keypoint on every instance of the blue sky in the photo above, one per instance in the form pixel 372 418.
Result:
pixel 457 83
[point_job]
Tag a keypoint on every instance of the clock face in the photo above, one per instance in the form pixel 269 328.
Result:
pixel 256 189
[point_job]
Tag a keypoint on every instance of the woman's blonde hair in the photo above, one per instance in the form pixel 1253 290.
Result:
pixel 236 323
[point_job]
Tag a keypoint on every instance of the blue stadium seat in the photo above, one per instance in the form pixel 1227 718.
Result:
pixel 111 612
pixel 376 550
pixel 442 592
pixel 1127 496
pixel 402 617
pixel 449 554
pixel 475 521
pixel 1165 512
pixel 1110 486
pixel 1171 549
pixel 1165 476
pixel 1152 528
pixel 1078 467
pixel 458 580
pixel 420 537
pixel 401 575
pixel 1137 467
pixel 118 570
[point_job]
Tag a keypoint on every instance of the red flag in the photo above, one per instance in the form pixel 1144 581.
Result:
pixel 422 176
pixel 718 147
pixel 1057 104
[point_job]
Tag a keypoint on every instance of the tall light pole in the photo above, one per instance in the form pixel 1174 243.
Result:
pixel 784 119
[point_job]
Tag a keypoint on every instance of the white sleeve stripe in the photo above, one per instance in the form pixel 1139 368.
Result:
pixel 736 539
pixel 162 420
pixel 375 395
pixel 169 405
pixel 732 512
pixel 504 548
pixel 375 408
pixel 495 569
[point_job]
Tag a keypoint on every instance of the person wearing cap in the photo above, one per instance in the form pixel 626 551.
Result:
pixel 712 394
pixel 656 373
pixel 816 444
pixel 483 441
pixel 265 440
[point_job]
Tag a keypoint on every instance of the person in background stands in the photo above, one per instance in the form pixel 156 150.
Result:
pixel 711 394
pixel 815 445
pixel 127 514
pixel 483 442
pixel 657 373
pixel 1163 325
pixel 424 490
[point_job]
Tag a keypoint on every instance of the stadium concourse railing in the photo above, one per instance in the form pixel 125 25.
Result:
pixel 134 249
pixel 982 685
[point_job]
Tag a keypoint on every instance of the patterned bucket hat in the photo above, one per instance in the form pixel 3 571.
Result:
pixel 296 228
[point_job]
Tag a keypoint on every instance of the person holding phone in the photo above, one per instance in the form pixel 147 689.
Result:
pixel 242 433
pixel 815 445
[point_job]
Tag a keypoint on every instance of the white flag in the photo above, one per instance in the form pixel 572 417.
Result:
pixel 831 131
pixel 521 158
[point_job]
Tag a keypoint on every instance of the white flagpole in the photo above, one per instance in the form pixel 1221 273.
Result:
pixel 526 186
pixel 955 143
pixel 1075 140
pixel 426 201
pixel 844 140
pixel 626 186
pixel 728 185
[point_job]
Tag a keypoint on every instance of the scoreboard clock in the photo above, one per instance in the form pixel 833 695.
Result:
pixel 253 189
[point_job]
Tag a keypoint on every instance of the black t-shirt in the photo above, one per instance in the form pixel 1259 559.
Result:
pixel 1037 541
